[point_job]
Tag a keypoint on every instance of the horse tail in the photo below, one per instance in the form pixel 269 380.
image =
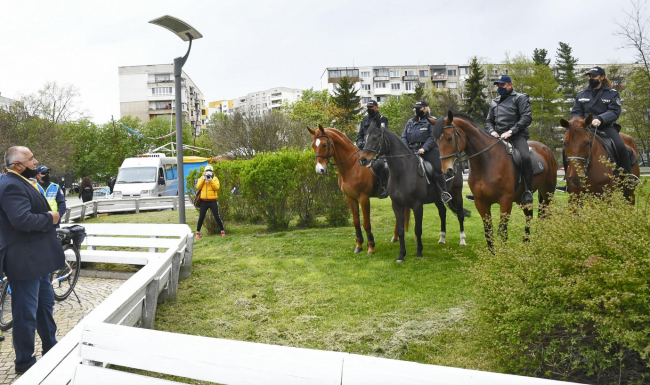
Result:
pixel 407 219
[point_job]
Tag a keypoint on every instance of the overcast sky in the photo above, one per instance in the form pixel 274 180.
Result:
pixel 254 45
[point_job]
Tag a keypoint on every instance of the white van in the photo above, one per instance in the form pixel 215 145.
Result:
pixel 149 175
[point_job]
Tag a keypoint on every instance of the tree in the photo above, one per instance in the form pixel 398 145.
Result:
pixel 636 118
pixel 475 104
pixel 53 102
pixel 398 109
pixel 634 31
pixel 318 107
pixel 419 92
pixel 539 57
pixel 567 76
pixel 346 97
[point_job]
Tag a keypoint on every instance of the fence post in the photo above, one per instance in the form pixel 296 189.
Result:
pixel 175 204
pixel 169 293
pixel 153 249
pixel 83 213
pixel 95 205
pixel 137 206
pixel 67 215
pixel 186 267
pixel 150 304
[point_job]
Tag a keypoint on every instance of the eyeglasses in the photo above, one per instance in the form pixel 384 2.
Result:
pixel 45 173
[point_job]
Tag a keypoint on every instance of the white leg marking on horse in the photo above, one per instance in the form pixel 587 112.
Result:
pixel 317 142
pixel 462 239
pixel 442 237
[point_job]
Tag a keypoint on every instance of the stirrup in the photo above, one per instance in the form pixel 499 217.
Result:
pixel 445 196
pixel 527 197
pixel 632 180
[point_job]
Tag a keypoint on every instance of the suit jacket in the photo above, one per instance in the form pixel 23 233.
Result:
pixel 29 247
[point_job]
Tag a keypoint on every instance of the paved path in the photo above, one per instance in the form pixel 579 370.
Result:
pixel 91 291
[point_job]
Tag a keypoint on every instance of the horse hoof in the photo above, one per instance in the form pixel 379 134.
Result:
pixel 418 256
pixel 371 251
pixel 442 242
pixel 400 260
pixel 463 243
pixel 393 240
pixel 358 250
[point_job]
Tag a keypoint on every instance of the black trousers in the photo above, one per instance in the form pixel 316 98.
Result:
pixel 521 144
pixel 203 210
pixel 433 156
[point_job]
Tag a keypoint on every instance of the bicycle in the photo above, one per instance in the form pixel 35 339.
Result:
pixel 63 280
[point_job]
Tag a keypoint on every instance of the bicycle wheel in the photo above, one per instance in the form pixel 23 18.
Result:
pixel 6 319
pixel 64 279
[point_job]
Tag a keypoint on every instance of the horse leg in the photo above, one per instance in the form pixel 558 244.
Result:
pixel 399 217
pixel 506 209
pixel 418 213
pixel 365 208
pixel 354 208
pixel 407 219
pixel 442 212
pixel 485 212
pixel 461 218
pixel 528 212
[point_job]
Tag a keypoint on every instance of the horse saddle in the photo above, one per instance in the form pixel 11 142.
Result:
pixel 515 156
pixel 610 149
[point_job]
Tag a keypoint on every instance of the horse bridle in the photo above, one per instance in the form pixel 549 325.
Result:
pixel 586 161
pixel 329 156
pixel 462 156
pixel 379 151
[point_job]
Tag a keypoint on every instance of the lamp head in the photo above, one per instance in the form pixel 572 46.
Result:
pixel 178 27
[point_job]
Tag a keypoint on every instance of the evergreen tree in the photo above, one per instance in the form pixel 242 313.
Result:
pixel 419 92
pixel 476 106
pixel 567 76
pixel 539 57
pixel 346 97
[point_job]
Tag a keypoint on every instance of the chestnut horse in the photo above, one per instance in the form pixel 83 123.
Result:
pixel 355 181
pixel 492 174
pixel 586 171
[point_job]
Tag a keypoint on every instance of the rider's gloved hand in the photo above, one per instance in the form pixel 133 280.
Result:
pixel 421 151
pixel 595 122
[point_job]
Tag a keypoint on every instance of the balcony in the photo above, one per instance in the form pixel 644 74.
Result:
pixel 438 77
pixel 168 81
pixel 382 91
pixel 381 78
pixel 411 78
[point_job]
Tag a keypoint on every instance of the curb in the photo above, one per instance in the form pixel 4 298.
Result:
pixel 123 275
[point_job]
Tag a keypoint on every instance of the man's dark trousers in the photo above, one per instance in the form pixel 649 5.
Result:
pixel 32 301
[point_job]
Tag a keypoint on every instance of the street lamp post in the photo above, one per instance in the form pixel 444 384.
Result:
pixel 186 33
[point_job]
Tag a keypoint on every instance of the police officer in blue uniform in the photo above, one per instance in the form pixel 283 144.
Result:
pixel 379 168
pixel 508 118
pixel 53 193
pixel 418 136
pixel 604 103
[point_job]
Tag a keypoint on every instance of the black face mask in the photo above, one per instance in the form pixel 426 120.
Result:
pixel 371 113
pixel 594 83
pixel 29 173
pixel 419 112
pixel 46 180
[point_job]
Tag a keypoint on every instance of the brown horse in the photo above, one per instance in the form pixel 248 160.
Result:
pixel 587 171
pixel 355 181
pixel 492 174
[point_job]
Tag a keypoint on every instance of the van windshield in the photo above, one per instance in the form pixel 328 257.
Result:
pixel 137 175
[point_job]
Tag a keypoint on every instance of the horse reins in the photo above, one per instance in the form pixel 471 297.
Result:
pixel 586 161
pixel 462 156
pixel 329 156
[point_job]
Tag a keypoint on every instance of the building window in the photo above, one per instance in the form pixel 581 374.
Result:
pixel 452 85
pixel 409 73
pixel 381 99
pixel 394 74
pixel 164 105
pixel 451 72
pixel 163 78
pixel 438 84
pixel 365 74
pixel 424 73
pixel 394 86
pixel 335 74
pixel 381 85
pixel 161 91
pixel 381 72
pixel 366 87
pixel 408 86
pixel 365 100
pixel 423 85
pixel 464 71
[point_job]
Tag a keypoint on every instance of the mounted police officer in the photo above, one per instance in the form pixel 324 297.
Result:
pixel 604 103
pixel 53 193
pixel 379 168
pixel 508 118
pixel 418 136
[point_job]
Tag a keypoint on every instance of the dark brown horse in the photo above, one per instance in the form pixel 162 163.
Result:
pixel 587 172
pixel 355 181
pixel 492 174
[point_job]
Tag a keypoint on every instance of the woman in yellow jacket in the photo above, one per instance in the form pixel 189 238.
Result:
pixel 208 184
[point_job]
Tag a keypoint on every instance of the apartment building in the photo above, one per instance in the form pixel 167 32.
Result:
pixel 220 107
pixel 147 91
pixel 378 83
pixel 5 103
pixel 266 100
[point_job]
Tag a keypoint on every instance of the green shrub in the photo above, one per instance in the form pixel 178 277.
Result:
pixel 573 303
pixel 234 204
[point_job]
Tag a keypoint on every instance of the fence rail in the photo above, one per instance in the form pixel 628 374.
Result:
pixel 91 209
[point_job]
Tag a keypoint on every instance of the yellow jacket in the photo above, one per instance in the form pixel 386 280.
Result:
pixel 209 189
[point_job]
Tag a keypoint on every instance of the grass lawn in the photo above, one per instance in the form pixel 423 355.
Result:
pixel 306 288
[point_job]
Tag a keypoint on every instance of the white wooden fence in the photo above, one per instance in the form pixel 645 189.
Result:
pixel 107 336
pixel 79 212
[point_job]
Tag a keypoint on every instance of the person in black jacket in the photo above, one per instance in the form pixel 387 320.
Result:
pixel 418 136
pixel 508 118
pixel 29 252
pixel 379 167
pixel 111 183
pixel 86 190
pixel 604 103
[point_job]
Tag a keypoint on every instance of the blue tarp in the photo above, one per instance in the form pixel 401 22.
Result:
pixel 187 167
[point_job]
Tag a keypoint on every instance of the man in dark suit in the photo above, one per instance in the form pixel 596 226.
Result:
pixel 29 252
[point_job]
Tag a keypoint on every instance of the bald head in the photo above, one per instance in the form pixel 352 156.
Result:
pixel 16 154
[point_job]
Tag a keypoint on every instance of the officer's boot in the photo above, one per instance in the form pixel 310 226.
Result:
pixel 383 181
pixel 565 163
pixel 441 181
pixel 624 159
pixel 527 196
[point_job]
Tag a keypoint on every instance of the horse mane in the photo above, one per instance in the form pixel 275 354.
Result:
pixel 438 128
pixel 339 135
pixel 473 122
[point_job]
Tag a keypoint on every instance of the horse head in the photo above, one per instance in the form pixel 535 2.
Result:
pixel 578 142
pixel 451 141
pixel 323 147
pixel 374 140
